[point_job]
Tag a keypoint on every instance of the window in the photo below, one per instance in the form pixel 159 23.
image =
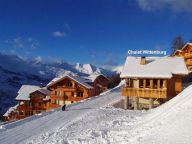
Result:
pixel 39 104
pixel 155 83
pixel 68 83
pixel 141 83
pixel 79 94
pixel 129 83
pixel 65 94
pixel 21 112
pixel 147 83
pixel 56 102
pixel 161 83
pixel 58 93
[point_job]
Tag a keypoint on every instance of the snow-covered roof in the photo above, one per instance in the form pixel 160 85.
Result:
pixel 176 51
pixel 75 78
pixel 93 77
pixel 25 90
pixel 185 46
pixel 47 98
pixel 44 91
pixel 10 110
pixel 163 67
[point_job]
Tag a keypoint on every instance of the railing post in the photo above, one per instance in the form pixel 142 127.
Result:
pixel 136 102
pixel 150 103
pixel 126 102
pixel 144 83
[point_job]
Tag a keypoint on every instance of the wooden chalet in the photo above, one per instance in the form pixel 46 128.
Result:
pixel 99 83
pixel 149 82
pixel 186 53
pixel 68 89
pixel 10 114
pixel 32 100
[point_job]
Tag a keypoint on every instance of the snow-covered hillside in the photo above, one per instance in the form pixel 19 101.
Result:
pixel 15 71
pixel 96 121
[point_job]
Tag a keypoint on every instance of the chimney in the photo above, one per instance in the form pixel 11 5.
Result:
pixel 143 60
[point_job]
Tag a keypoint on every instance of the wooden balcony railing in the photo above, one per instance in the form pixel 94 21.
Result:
pixel 72 98
pixel 39 108
pixel 30 108
pixel 188 55
pixel 144 92
pixel 188 63
pixel 24 108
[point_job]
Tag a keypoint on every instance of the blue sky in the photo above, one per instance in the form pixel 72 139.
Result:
pixel 91 31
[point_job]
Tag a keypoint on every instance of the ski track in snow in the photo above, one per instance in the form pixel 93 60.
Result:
pixel 96 121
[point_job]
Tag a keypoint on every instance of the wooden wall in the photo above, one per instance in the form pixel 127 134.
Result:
pixel 68 91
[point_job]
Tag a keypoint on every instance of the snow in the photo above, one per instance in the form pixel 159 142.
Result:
pixel 75 78
pixel 38 128
pixel 46 98
pixel 118 69
pixel 44 91
pixel 96 121
pixel 93 77
pixel 85 68
pixel 163 67
pixel 25 90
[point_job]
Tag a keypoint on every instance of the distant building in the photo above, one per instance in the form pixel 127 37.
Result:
pixel 186 53
pixel 11 114
pixel 63 90
pixel 150 82
pixel 99 82
pixel 32 100
pixel 70 89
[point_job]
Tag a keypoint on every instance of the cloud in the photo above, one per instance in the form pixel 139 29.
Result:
pixel 18 42
pixel 23 43
pixel 58 34
pixel 173 5
pixel 33 43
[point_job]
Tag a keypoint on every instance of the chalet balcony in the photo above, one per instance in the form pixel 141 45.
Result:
pixel 24 108
pixel 36 99
pixel 55 105
pixel 144 92
pixel 53 97
pixel 188 55
pixel 65 88
pixel 39 108
pixel 188 63
pixel 72 98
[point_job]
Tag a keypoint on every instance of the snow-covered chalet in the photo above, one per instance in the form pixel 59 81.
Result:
pixel 69 88
pixel 150 82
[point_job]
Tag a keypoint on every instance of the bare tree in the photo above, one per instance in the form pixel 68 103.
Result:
pixel 177 43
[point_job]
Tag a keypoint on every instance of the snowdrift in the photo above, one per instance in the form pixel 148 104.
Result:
pixel 170 123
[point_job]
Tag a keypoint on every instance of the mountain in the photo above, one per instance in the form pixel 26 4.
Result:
pixel 90 69
pixel 118 69
pixel 16 71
